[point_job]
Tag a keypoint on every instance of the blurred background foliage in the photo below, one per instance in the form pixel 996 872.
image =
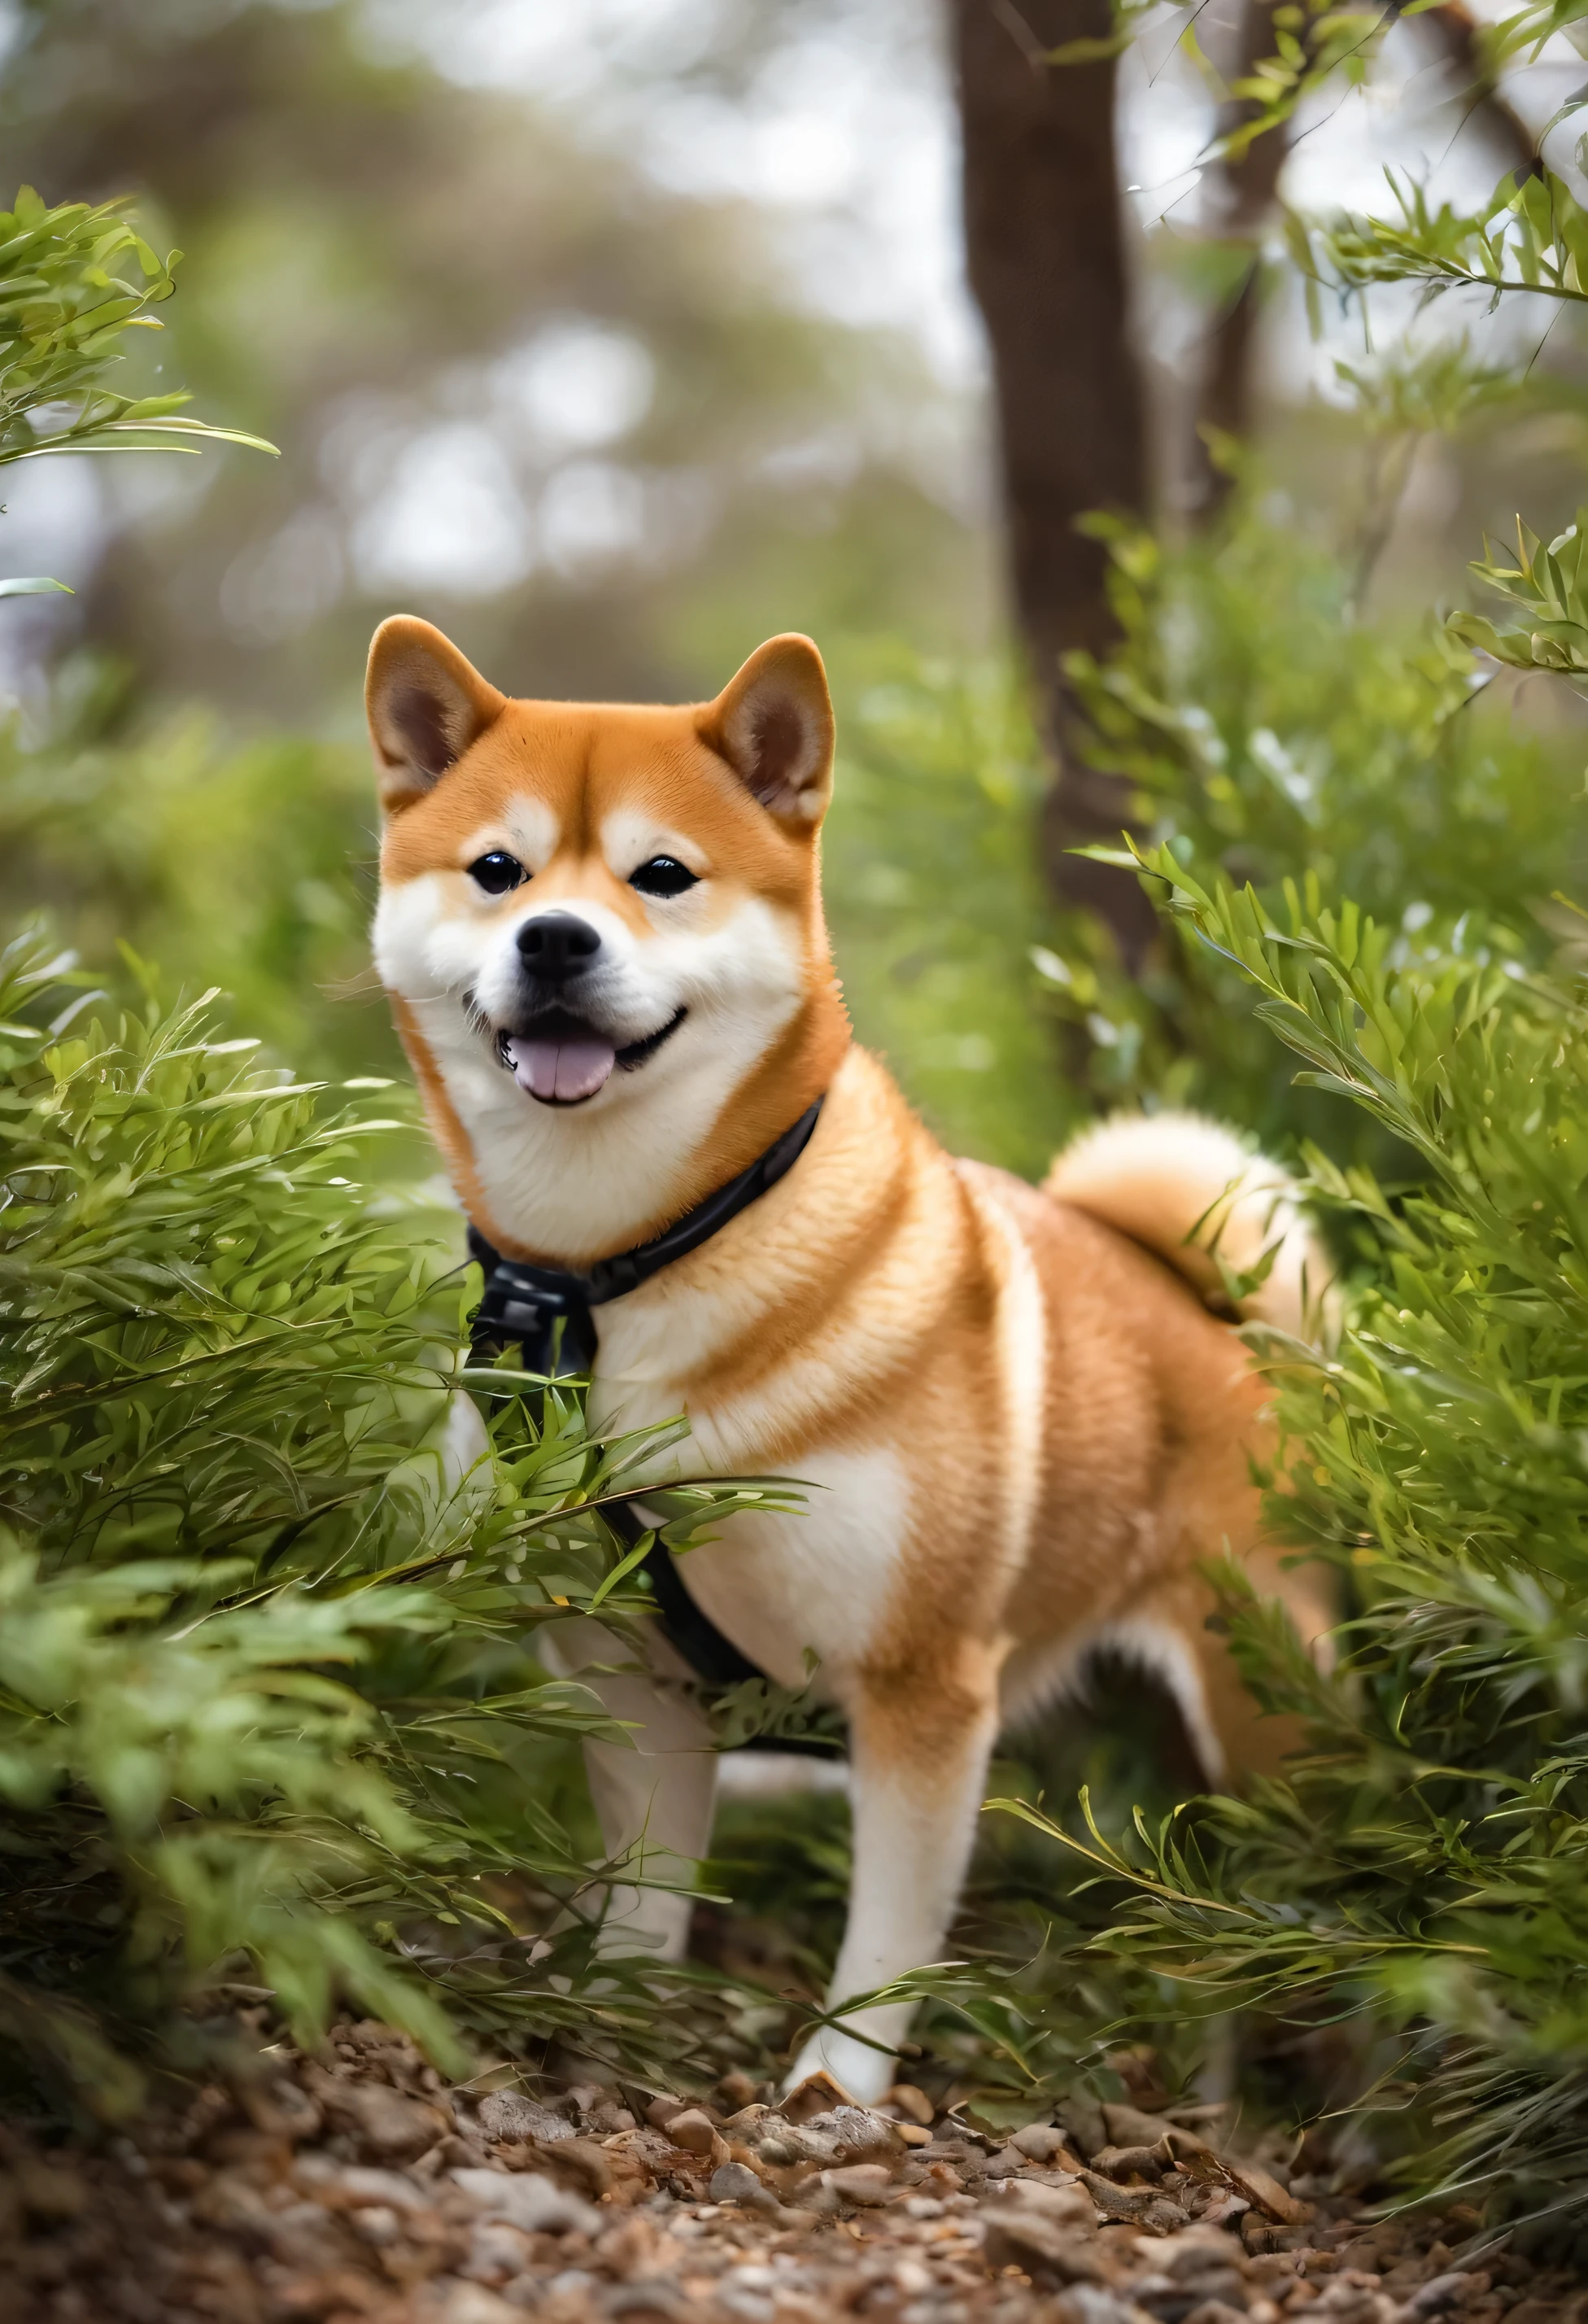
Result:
pixel 535 372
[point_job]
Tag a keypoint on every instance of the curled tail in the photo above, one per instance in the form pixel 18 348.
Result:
pixel 1189 1191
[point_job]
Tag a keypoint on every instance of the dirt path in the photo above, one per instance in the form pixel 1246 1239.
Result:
pixel 359 2187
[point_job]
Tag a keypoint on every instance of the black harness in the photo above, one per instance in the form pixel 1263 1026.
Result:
pixel 549 1311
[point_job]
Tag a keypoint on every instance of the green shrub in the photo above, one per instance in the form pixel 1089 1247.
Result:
pixel 268 1702
pixel 1423 1866
pixel 244 864
pixel 65 309
pixel 1270 738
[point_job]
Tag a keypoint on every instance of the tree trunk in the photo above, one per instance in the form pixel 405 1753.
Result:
pixel 1456 30
pixel 1045 255
pixel 1247 188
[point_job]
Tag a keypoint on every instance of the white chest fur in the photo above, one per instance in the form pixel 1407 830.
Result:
pixel 815 1580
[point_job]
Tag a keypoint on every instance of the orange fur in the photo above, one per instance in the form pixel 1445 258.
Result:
pixel 1025 1429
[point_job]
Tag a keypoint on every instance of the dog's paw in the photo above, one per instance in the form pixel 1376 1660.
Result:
pixel 861 2073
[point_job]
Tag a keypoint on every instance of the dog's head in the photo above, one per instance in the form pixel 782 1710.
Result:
pixel 601 930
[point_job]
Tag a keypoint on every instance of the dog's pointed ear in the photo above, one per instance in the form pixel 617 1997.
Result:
pixel 772 723
pixel 425 705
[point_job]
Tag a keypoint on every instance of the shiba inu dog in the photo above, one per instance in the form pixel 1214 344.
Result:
pixel 1023 1426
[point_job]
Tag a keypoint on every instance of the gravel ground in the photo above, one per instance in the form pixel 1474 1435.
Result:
pixel 359 2187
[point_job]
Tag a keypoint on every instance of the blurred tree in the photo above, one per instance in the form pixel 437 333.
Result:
pixel 1245 189
pixel 1044 249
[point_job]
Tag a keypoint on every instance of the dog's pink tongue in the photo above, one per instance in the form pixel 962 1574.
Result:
pixel 561 1069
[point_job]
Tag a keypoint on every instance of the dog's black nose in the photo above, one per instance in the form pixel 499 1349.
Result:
pixel 557 945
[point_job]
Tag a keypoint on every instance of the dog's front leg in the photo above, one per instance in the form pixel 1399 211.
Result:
pixel 919 1753
pixel 654 1795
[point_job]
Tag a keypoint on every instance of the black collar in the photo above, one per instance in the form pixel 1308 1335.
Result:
pixel 548 1309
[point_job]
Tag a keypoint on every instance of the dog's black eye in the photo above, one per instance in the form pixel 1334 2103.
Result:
pixel 664 875
pixel 497 872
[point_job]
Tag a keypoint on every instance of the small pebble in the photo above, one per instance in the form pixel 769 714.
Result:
pixel 911 2104
pixel 693 2130
pixel 736 2182
pixel 861 2182
pixel 1039 2142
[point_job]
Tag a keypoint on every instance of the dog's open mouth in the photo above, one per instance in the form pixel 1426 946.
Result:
pixel 561 1060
